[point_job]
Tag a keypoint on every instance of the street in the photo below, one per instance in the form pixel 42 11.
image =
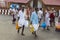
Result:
pixel 8 31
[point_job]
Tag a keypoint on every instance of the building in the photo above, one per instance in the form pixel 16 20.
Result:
pixel 31 3
pixel 51 4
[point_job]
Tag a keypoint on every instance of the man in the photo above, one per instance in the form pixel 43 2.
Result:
pixel 47 19
pixel 52 18
pixel 21 20
pixel 34 21
pixel 40 14
pixel 14 15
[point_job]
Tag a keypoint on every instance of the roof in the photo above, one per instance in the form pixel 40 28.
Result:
pixel 51 2
pixel 19 1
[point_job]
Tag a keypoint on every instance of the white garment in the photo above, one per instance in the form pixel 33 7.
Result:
pixel 36 26
pixel 15 13
pixel 47 19
pixel 54 13
pixel 22 20
pixel 40 13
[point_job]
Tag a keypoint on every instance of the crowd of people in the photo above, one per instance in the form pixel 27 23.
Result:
pixel 31 16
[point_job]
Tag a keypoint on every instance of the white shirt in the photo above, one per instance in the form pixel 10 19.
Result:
pixel 22 20
pixel 40 13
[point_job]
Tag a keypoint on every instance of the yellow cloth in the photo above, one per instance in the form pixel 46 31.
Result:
pixel 31 28
pixel 58 26
pixel 17 26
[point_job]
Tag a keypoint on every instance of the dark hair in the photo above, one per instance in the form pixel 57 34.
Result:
pixel 23 9
pixel 40 8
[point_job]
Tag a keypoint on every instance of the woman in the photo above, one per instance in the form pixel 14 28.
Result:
pixel 34 21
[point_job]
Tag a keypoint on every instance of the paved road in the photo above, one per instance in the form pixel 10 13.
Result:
pixel 8 32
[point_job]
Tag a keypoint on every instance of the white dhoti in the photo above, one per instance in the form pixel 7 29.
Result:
pixel 23 22
pixel 35 26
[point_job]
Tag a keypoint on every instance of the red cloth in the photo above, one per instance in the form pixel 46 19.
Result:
pixel 52 16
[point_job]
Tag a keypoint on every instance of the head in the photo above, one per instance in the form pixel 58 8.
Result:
pixel 40 8
pixel 23 9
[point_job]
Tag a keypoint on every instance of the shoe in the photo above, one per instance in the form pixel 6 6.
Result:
pixel 22 34
pixel 18 31
pixel 48 29
pixel 35 35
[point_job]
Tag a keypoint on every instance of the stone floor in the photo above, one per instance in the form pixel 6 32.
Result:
pixel 8 31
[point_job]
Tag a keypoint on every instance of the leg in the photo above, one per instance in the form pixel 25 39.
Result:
pixel 22 30
pixel 18 29
pixel 39 22
pixel 35 34
pixel 50 24
pixel 48 28
pixel 14 19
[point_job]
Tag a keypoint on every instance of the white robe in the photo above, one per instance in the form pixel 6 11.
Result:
pixel 47 19
pixel 22 20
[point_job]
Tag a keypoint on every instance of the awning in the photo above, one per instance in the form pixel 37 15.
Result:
pixel 51 2
pixel 18 1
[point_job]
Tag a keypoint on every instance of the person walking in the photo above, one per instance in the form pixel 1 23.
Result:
pixel 34 21
pixel 52 18
pixel 47 19
pixel 14 15
pixel 40 14
pixel 21 20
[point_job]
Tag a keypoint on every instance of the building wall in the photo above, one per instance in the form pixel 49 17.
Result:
pixel 39 4
pixel 51 6
pixel 3 4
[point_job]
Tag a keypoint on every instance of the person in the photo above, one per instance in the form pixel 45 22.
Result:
pixel 47 19
pixel 59 19
pixel 34 21
pixel 14 15
pixel 21 20
pixel 54 11
pixel 28 13
pixel 59 12
pixel 52 18
pixel 40 14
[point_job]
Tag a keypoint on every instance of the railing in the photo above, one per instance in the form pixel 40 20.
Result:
pixel 5 11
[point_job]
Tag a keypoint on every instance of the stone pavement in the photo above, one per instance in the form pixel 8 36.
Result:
pixel 8 31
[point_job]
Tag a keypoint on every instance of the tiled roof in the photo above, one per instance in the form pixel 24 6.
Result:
pixel 19 1
pixel 51 2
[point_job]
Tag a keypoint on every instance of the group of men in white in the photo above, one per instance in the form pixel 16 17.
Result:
pixel 35 19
